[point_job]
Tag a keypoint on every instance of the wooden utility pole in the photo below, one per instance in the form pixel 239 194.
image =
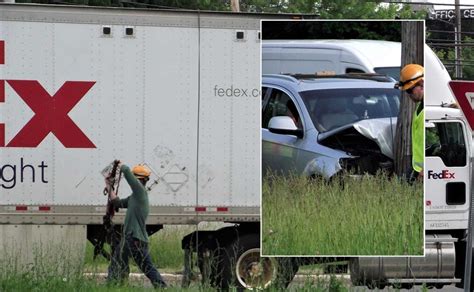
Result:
pixel 412 52
pixel 235 5
pixel 457 41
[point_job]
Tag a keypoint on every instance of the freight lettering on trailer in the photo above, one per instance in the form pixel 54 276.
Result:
pixel 50 116
pixel 50 112
pixel 11 174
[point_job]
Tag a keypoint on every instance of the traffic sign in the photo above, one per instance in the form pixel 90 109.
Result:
pixel 463 91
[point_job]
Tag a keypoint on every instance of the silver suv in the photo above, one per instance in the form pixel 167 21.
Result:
pixel 321 125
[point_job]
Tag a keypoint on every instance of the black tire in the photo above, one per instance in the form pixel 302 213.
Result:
pixel 242 267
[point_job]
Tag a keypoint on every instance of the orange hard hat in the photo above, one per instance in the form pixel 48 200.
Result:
pixel 141 171
pixel 410 75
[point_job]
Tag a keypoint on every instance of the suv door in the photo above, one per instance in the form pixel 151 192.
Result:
pixel 279 152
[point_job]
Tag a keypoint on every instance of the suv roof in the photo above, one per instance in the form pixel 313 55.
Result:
pixel 303 82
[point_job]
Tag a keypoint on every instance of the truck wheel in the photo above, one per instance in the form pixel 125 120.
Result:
pixel 242 266
pixel 254 272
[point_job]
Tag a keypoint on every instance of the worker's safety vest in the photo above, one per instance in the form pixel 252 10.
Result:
pixel 418 139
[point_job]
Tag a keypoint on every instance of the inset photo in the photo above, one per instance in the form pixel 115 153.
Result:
pixel 342 138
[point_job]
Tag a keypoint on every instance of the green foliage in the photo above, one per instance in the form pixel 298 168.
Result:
pixel 326 9
pixel 354 9
pixel 368 216
pixel 447 55
pixel 330 9
pixel 375 30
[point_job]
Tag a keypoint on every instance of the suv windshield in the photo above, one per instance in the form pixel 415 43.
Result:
pixel 332 108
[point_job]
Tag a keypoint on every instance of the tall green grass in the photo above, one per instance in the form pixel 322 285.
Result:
pixel 66 273
pixel 373 215
pixel 54 269
pixel 46 266
pixel 165 250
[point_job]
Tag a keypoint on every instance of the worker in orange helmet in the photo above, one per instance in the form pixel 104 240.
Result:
pixel 134 241
pixel 412 82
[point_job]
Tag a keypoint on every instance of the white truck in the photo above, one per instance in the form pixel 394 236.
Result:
pixel 339 56
pixel 177 90
pixel 447 177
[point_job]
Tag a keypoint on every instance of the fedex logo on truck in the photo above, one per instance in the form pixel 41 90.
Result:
pixel 444 174
pixel 50 112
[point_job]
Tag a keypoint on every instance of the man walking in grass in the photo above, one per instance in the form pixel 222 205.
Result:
pixel 412 81
pixel 134 240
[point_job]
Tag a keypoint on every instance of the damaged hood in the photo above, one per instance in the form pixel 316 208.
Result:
pixel 381 131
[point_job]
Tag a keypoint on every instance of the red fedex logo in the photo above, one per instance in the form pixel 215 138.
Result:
pixel 50 112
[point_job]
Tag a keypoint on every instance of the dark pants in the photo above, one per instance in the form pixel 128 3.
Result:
pixel 138 250
pixel 413 176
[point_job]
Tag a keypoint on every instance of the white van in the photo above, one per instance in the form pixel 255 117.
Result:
pixel 340 56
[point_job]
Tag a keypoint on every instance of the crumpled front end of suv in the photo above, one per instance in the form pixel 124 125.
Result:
pixel 366 147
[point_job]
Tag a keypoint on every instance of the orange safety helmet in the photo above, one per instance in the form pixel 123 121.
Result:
pixel 141 171
pixel 410 75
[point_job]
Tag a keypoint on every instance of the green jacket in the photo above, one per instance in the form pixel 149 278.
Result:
pixel 417 138
pixel 137 207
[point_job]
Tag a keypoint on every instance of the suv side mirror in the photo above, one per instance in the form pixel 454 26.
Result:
pixel 285 126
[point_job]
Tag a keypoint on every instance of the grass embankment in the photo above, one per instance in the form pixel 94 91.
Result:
pixel 374 215
pixel 46 275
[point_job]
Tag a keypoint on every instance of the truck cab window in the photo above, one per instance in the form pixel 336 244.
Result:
pixel 280 104
pixel 446 140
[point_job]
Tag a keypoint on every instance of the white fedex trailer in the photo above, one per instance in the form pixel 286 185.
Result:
pixel 177 90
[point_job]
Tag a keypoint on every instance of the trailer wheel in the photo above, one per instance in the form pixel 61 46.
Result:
pixel 242 266
pixel 252 271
